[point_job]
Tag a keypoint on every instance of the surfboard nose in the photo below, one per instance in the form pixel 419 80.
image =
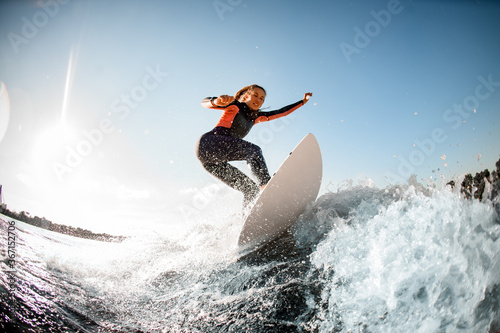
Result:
pixel 286 196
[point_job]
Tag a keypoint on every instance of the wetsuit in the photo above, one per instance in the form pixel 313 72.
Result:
pixel 225 143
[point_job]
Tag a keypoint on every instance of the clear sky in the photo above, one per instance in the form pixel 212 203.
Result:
pixel 100 102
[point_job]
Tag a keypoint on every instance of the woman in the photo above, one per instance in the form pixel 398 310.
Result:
pixel 225 142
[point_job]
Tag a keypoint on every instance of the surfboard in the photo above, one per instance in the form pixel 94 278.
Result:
pixel 285 197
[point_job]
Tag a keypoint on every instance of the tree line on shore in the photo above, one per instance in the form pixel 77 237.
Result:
pixel 474 187
pixel 471 187
pixel 43 223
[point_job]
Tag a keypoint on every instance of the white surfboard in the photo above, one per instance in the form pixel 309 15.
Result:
pixel 286 196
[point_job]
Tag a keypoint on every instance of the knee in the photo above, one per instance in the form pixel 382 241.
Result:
pixel 210 167
pixel 255 153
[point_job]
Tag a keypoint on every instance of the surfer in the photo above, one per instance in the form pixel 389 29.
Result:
pixel 225 142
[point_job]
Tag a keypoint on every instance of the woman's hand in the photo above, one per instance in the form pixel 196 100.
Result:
pixel 224 100
pixel 306 97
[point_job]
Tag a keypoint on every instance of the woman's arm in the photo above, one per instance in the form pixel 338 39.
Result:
pixel 284 111
pixel 217 102
pixel 208 102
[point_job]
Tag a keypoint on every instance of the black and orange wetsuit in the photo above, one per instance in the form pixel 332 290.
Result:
pixel 225 143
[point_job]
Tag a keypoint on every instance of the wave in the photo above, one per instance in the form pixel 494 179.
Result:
pixel 359 260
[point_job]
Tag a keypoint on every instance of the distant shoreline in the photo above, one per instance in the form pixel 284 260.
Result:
pixel 474 187
pixel 471 188
pixel 43 223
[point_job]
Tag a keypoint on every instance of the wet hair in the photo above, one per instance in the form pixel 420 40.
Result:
pixel 246 89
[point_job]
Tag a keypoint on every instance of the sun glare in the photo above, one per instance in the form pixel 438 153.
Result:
pixel 50 146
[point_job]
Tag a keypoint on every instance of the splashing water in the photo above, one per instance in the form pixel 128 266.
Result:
pixel 420 264
pixel 359 260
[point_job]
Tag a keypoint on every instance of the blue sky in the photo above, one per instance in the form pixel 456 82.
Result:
pixel 105 96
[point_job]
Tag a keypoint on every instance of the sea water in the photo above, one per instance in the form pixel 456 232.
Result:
pixel 400 259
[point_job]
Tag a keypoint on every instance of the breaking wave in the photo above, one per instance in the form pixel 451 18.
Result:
pixel 400 259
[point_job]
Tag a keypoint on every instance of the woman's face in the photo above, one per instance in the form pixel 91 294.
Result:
pixel 255 98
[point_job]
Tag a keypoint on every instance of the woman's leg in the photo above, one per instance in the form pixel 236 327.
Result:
pixel 234 178
pixel 214 151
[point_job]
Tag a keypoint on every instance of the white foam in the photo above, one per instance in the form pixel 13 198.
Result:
pixel 421 262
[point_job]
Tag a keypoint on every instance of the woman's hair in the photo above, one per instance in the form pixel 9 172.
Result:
pixel 246 89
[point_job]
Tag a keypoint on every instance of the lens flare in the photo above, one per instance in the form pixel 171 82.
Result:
pixel 4 110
